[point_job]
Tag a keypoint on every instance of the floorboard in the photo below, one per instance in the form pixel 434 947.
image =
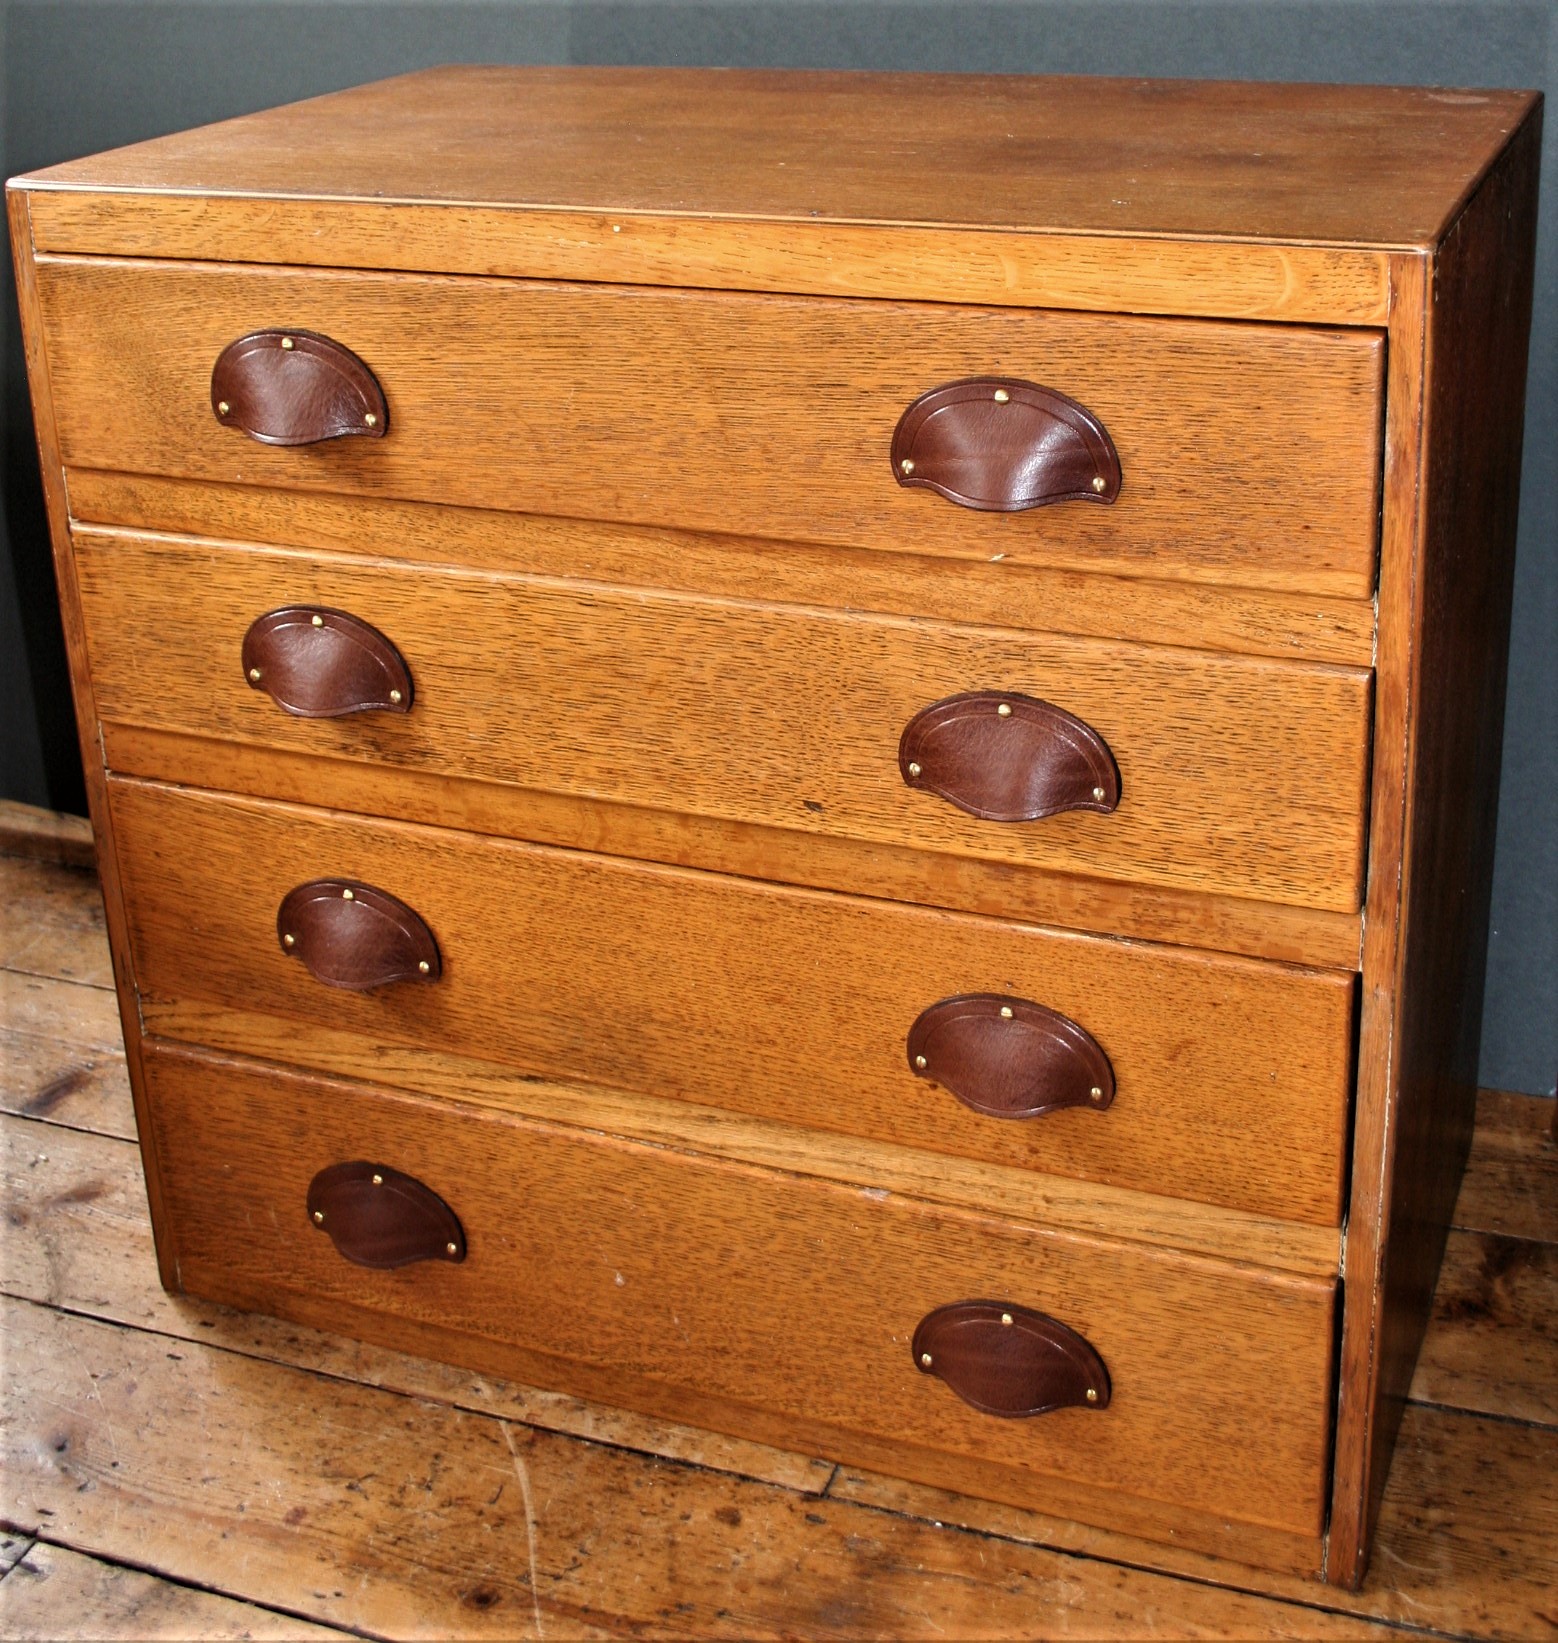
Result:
pixel 174 1469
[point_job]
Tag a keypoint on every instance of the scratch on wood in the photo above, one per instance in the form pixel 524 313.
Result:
pixel 522 1472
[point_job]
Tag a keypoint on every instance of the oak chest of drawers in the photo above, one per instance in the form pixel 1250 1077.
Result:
pixel 813 752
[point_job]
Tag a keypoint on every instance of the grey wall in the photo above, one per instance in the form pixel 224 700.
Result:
pixel 83 76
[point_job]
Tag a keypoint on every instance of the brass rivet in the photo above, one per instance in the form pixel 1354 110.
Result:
pixel 319 1215
pixel 1001 396
pixel 1098 793
pixel 318 621
pixel 346 895
pixel 452 1249
pixel 1092 1396
pixel 424 967
pixel 925 1359
pixel 378 1180
pixel 286 342
pixel 906 466
pixel 921 1062
pixel 371 419
pixel 1005 710
pixel 1006 1012
pixel 1096 1093
pixel 289 941
pixel 914 770
pixel 222 407
pixel 1006 1317
pixel 254 674
pixel 1100 483
pixel 394 695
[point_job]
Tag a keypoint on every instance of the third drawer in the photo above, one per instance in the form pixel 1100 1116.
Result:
pixel 1229 1077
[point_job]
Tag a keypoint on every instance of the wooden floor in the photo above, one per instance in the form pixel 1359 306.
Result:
pixel 173 1469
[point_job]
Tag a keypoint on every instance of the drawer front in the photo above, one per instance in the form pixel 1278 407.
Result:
pixel 1229 1077
pixel 778 1294
pixel 1237 775
pixel 1250 454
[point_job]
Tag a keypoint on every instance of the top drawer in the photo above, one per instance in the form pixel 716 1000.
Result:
pixel 1250 454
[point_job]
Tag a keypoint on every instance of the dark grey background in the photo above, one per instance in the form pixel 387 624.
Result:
pixel 78 77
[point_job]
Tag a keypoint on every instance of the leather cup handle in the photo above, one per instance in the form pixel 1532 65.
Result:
pixel 1005 757
pixel 1008 1360
pixel 1009 1057
pixel 377 1217
pixel 1002 445
pixel 318 663
pixel 353 936
pixel 296 388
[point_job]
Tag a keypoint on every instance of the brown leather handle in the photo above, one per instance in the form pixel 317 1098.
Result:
pixel 353 936
pixel 296 388
pixel 1008 1360
pixel 1004 757
pixel 377 1217
pixel 322 664
pixel 1009 1057
pixel 1001 445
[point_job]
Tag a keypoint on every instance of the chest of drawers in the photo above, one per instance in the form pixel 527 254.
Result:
pixel 812 752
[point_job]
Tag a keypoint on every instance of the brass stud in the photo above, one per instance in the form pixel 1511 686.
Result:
pixel 319 1216
pixel 222 407
pixel 1006 1012
pixel 1100 483
pixel 1092 1395
pixel 1004 711
pixel 254 674
pixel 925 1359
pixel 906 466
pixel 452 1249
pixel 286 342
pixel 1006 1318
pixel 317 620
pixel 921 1062
pixel 346 895
pixel 395 696
pixel 914 770
pixel 424 967
pixel 1098 793
pixel 1001 396
pixel 378 1180
pixel 1096 1093
pixel 370 419
pixel 289 941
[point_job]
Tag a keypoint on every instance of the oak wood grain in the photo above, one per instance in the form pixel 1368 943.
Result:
pixel 368 1511
pixel 665 1296
pixel 1251 454
pixel 1004 591
pixel 1240 775
pixel 781 1003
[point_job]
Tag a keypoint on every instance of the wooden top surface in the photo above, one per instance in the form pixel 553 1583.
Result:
pixel 1315 164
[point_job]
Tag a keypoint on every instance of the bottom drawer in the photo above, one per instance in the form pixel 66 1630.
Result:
pixel 776 1306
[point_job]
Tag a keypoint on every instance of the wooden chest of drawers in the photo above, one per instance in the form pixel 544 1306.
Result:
pixel 816 753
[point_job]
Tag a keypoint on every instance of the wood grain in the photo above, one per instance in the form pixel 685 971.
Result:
pixel 1240 775
pixel 62 1054
pixel 401 1520
pixel 816 1332
pixel 785 1004
pixel 1452 484
pixel 1005 591
pixel 1232 924
pixel 51 922
pixel 76 1236
pixel 1251 454
pixel 45 835
pixel 1511 1181
pixel 57 1596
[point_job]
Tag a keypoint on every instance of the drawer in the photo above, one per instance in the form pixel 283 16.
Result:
pixel 761 1301
pixel 1250 454
pixel 1238 775
pixel 1229 1076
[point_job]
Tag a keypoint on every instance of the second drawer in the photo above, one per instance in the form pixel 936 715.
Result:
pixel 1230 1076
